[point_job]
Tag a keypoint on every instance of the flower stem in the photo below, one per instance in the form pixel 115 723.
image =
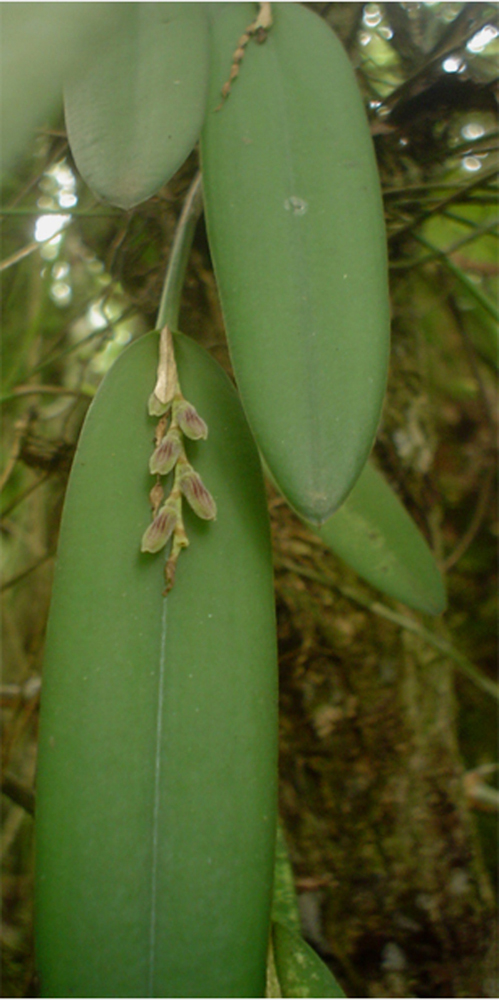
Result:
pixel 169 306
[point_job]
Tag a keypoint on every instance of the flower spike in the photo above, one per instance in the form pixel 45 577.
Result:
pixel 177 418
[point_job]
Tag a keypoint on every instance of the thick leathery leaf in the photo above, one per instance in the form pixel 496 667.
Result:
pixel 39 44
pixel 300 971
pixel 375 535
pixel 297 237
pixel 156 791
pixel 135 114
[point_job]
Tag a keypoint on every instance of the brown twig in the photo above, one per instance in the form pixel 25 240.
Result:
pixel 20 427
pixel 26 572
pixel 19 255
pixel 19 793
pixel 22 496
pixel 41 390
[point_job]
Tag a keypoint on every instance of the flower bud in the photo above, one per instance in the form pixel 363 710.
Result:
pixel 165 456
pixel 189 420
pixel 197 495
pixel 160 530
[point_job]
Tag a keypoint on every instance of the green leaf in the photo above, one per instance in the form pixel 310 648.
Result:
pixel 39 44
pixel 134 115
pixel 296 232
pixel 300 971
pixel 375 535
pixel 284 905
pixel 156 800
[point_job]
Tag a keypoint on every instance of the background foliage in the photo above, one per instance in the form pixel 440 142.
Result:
pixel 388 755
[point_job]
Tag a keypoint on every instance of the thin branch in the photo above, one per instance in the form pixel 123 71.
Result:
pixel 26 572
pixel 487 269
pixel 15 258
pixel 22 496
pixel 475 292
pixel 35 245
pixel 51 358
pixel 477 144
pixel 19 793
pixel 32 183
pixel 408 191
pixel 486 229
pixel 458 195
pixel 81 313
pixel 20 430
pixel 84 213
pixel 49 390
pixel 446 45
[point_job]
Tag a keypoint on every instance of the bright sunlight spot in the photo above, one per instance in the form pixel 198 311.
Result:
pixel 454 65
pixel 60 292
pixel 66 183
pixel 472 163
pixel 60 271
pixel 372 15
pixel 482 38
pixel 67 200
pixel 48 225
pixel 97 317
pixel 473 130
pixel 50 249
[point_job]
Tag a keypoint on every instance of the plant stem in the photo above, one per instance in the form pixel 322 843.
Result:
pixel 465 222
pixel 475 292
pixel 489 228
pixel 84 213
pixel 458 195
pixel 169 306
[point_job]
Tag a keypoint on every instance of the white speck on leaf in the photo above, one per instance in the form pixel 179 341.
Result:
pixel 298 206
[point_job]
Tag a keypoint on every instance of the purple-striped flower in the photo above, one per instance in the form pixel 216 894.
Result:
pixel 197 495
pixel 165 456
pixel 161 528
pixel 189 420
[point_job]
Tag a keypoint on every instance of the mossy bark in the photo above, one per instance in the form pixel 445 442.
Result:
pixel 373 803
